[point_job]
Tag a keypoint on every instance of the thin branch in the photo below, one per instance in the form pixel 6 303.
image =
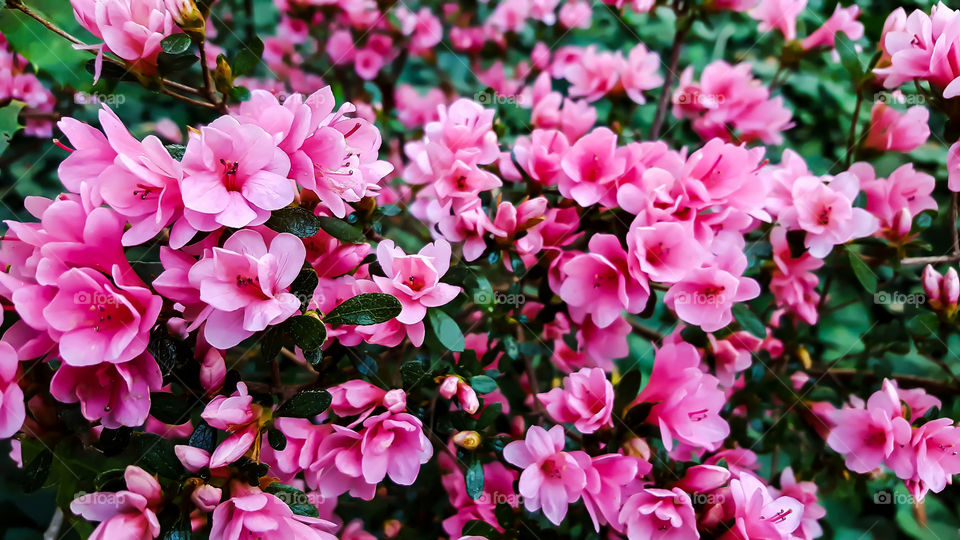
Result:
pixel 931 385
pixel 191 101
pixel 668 80
pixel 852 136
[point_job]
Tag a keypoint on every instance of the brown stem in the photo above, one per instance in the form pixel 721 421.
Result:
pixel 191 101
pixel 645 332
pixel 664 98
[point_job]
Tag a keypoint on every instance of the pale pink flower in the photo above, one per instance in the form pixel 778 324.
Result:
pixel 705 296
pixel 922 46
pixel 608 479
pixel 586 400
pixel 640 72
pixel 415 279
pixel 843 19
pixel 551 478
pixel 539 155
pixel 234 176
pixel 664 251
pixel 244 285
pixel 595 73
pixel 131 29
pixel 953 167
pixel 591 166
pixel 896 131
pixel 116 394
pixel 867 436
pixel 806 493
pixel 780 15
pixel 575 14
pixel 905 188
pixel 129 513
pixel 659 513
pixel 237 415
pixel 393 444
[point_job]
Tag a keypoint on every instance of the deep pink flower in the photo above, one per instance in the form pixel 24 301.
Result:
pixel 234 176
pixel 131 29
pixel 641 72
pixel 705 296
pixel 866 436
pixel 586 400
pixel 780 15
pixel 129 513
pixel 793 283
pixel 244 285
pixel 415 279
pixel 824 209
pixel 237 415
pixel 758 514
pixel 659 513
pixel 806 493
pixel 251 513
pixel 922 46
pixel 596 73
pixel 591 165
pixel 905 188
pixel 608 478
pixel 116 394
pixel 393 444
pixel 899 132
pixel 551 478
pixel 664 251
pixel 12 409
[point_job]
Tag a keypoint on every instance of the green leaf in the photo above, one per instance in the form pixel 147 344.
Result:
pixel 365 309
pixel 627 390
pixel 341 230
pixel 306 404
pixel 247 59
pixel 176 43
pixel 203 437
pixel 36 472
pixel 446 330
pixel 489 415
pixel 308 332
pixel 169 408
pixel 110 480
pixel 304 285
pixel 475 527
pixel 483 384
pixel 923 325
pixel 176 151
pixel 239 93
pixel 750 322
pixel 174 63
pixel 474 479
pixel 272 342
pixel 295 220
pixel 277 440
pixel 366 365
pixel 412 372
pixel 46 51
pixel 155 454
pixel 9 122
pixel 864 274
pixel 848 56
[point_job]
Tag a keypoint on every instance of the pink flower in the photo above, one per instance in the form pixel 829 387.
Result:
pixel 539 155
pixel 206 497
pixel 867 436
pixel 551 478
pixel 12 409
pixel 842 20
pixel 659 513
pixel 595 73
pixel 234 176
pixel 244 285
pixel 116 394
pixel 414 110
pixel 824 209
pixel 608 478
pixel 129 513
pixel 705 296
pixel 591 165
pixel 793 283
pixel 393 444
pixel 237 415
pixel 806 493
pixel 922 46
pixel 779 14
pixel 703 478
pixel 640 73
pixel 899 132
pixel 599 282
pixel 686 400
pixel 251 513
pixel 758 514
pixel 665 251
pixel 415 279
pixel 905 188
pixel 586 400
pixel 131 29
pixel 360 397
pixel 97 320
pixel 953 167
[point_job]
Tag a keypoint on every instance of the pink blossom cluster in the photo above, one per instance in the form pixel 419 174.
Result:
pixel 17 83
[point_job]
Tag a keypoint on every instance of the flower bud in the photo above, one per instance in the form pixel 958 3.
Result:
pixel 206 497
pixel 950 289
pixel 638 448
pixel 468 440
pixel 448 388
pixel 223 80
pixel 931 280
pixel 703 478
pixel 395 400
pixel 212 371
pixel 902 222
pixel 188 17
pixel 468 398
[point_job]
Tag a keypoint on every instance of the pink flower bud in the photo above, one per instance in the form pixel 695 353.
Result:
pixel 902 222
pixel 468 398
pixel 703 478
pixel 931 283
pixel 448 388
pixel 206 497
pixel 950 288
pixel 212 371
pixel 395 400
pixel 193 459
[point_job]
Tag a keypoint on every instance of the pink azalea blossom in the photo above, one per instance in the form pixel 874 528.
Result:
pixel 415 279
pixel 899 132
pixel 12 409
pixel 867 436
pixel 590 167
pixel 806 493
pixel 641 73
pixel 922 46
pixel 843 19
pixel 905 188
pixel 780 15
pixel 116 394
pixel 238 415
pixel 551 478
pixel 129 513
pixel 393 444
pixel 130 29
pixel 758 514
pixel 252 513
pixel 586 400
pixel 659 513
pixel 608 479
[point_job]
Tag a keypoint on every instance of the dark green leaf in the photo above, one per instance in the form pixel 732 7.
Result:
pixel 748 321
pixel 366 365
pixel 308 332
pixel 37 471
pixel 306 404
pixel 169 408
pixel 489 415
pixel 627 390
pixel 155 455
pixel 474 478
pixel 203 437
pixel 341 230
pixel 277 440
pixel 248 58
pixel 446 330
pixel 412 373
pixel 295 220
pixel 476 527
pixel 272 342
pixel 9 122
pixel 110 480
pixel 864 274
pixel 365 309
pixel 848 56
pixel 923 325
pixel 168 63
pixel 176 43
pixel 176 151
pixel 304 285
pixel 483 384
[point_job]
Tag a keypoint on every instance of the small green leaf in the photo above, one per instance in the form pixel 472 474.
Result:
pixel 446 330
pixel 366 365
pixel 365 309
pixel 475 527
pixel 848 56
pixel 169 408
pixel 176 151
pixel 176 43
pixel 341 230
pixel 203 437
pixel 277 440
pixel 247 59
pixel 306 404
pixel 9 122
pixel 483 384
pixel 174 63
pixel 923 325
pixel 36 472
pixel 864 274
pixel 304 285
pixel 308 332
pixel 489 415
pixel 239 93
pixel 750 322
pixel 412 373
pixel 474 478
pixel 295 220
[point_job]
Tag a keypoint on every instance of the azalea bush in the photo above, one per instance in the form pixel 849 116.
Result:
pixel 312 269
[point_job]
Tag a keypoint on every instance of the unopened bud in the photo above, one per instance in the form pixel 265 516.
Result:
pixel 223 75
pixel 931 280
pixel 468 440
pixel 468 398
pixel 395 400
pixel 804 355
pixel 448 386
pixel 638 448
pixel 950 288
pixel 206 497
pixel 902 222
pixel 188 17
